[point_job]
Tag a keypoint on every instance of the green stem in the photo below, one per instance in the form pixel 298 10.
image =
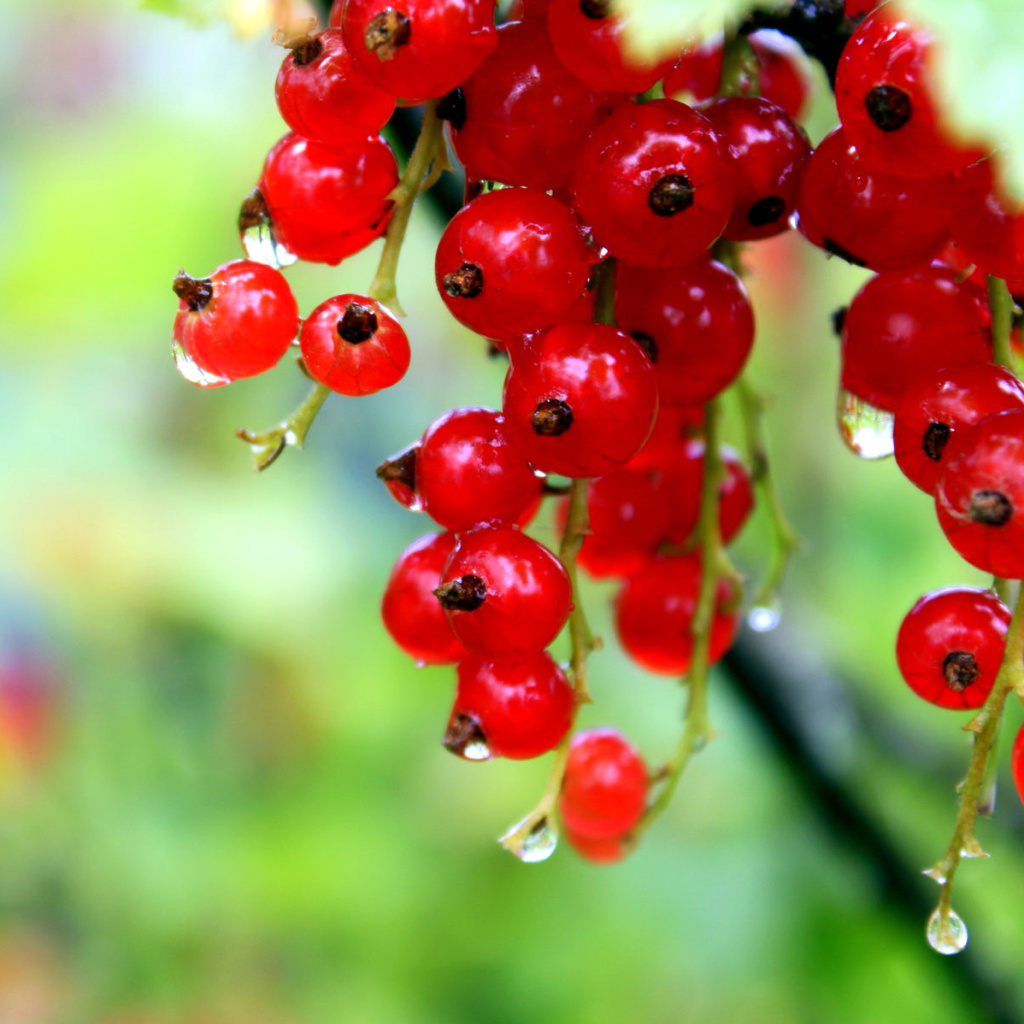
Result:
pixel 428 150
pixel 292 431
pixel 985 726
pixel 697 729
pixel 784 540
pixel 582 642
pixel 604 291
pixel 1000 303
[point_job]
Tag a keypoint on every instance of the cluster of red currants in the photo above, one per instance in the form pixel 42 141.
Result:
pixel 598 250
pixel 891 189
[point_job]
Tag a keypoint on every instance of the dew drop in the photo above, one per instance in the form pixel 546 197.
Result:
pixel 946 932
pixel 865 429
pixel 531 845
pixel 764 617
pixel 476 750
pixel 260 245
pixel 192 372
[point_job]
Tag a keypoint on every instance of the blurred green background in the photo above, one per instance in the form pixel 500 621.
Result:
pixel 222 796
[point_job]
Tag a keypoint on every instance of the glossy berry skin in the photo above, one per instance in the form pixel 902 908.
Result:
pixel 627 520
pixel 934 409
pixel 511 262
pixel 323 95
pixel 781 78
pixel 597 851
pixel 886 99
pixel 417 48
pixel 354 345
pixel 518 597
pixel 238 322
pixel 604 789
pixel 654 615
pixel 326 202
pixel 588 38
pixel 580 399
pixel 988 224
pixel 950 646
pixel 869 217
pixel 980 495
pixel 673 427
pixel 653 184
pixel 410 611
pixel 682 481
pixel 524 116
pixel 699 323
pixel 767 150
pixel 509 707
pixel 468 471
pixel 903 326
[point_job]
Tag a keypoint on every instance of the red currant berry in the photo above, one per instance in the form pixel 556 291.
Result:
pixel 580 399
pixel 654 615
pixel 509 707
pixel 523 117
pixel 604 790
pixel 767 150
pixel 950 646
pixel 681 485
pixel 989 225
pixel 781 72
pixel 627 520
pixel 980 495
pixel 410 611
pixel 469 472
pixel 869 217
pixel 933 409
pixel 354 345
pixel 903 326
pixel 326 203
pixel 235 323
pixel 588 38
pixel 653 184
pixel 695 322
pixel 504 593
pixel 1017 763
pixel 323 95
pixel 673 427
pixel 511 262
pixel 418 48
pixel 597 851
pixel 886 99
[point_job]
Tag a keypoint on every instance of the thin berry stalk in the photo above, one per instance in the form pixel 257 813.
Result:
pixel 418 176
pixel 1000 303
pixel 697 728
pixel 582 642
pixel 985 726
pixel 784 539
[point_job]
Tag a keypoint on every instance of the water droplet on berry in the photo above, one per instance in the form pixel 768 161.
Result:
pixel 865 429
pixel 260 245
pixel 946 932
pixel 476 750
pixel 531 840
pixel 764 618
pixel 193 373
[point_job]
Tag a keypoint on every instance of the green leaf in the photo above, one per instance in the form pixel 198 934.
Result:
pixel 656 28
pixel 979 66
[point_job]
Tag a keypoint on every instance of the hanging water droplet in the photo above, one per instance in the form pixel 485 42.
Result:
pixel 972 848
pixel 947 933
pixel 865 429
pixel 763 618
pixel 192 372
pixel 936 874
pixel 260 245
pixel 476 750
pixel 531 840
